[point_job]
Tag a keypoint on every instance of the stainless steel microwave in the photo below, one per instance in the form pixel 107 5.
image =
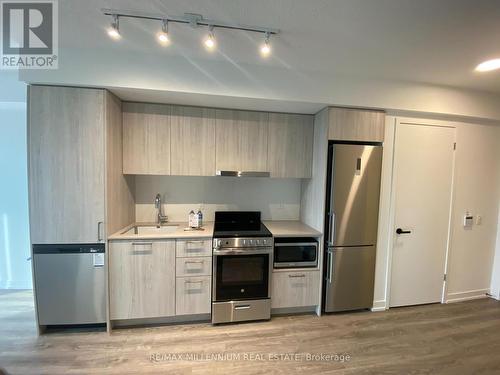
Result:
pixel 299 252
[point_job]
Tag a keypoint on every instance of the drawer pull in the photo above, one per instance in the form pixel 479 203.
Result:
pixel 296 276
pixel 194 262
pixel 193 282
pixel 242 307
pixel 195 241
pixel 142 244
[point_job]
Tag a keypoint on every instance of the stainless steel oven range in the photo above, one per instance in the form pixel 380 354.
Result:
pixel 242 268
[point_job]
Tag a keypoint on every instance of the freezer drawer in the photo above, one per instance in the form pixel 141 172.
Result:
pixel 350 276
pixel 70 286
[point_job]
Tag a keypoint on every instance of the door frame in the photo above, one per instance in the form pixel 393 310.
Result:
pixel 391 238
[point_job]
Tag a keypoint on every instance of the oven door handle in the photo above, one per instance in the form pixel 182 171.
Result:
pixel 242 252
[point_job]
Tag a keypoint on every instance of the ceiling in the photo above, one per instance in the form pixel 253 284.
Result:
pixel 323 44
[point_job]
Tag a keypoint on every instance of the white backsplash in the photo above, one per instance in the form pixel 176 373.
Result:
pixel 277 199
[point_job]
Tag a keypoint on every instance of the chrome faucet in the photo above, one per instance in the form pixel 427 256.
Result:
pixel 160 218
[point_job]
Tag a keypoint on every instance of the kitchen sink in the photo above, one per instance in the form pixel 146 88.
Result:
pixel 152 229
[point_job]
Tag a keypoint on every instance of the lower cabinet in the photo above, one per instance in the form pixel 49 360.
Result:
pixel 295 289
pixel 193 273
pixel 141 279
pixel 193 295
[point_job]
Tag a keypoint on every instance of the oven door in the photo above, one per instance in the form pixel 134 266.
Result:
pixel 241 275
pixel 295 255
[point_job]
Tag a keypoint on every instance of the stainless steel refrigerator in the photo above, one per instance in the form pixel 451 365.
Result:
pixel 352 202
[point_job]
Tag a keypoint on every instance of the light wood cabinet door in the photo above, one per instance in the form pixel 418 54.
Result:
pixel 66 164
pixel 241 138
pixel 193 248
pixel 146 138
pixel 193 141
pixel 290 145
pixel 346 124
pixel 295 289
pixel 141 279
pixel 193 266
pixel 193 295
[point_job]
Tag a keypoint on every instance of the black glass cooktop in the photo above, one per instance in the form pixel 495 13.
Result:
pixel 239 224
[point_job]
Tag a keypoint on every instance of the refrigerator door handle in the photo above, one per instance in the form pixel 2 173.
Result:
pixel 331 228
pixel 330 266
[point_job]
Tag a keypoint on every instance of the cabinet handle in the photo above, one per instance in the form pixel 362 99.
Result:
pixel 194 261
pixel 99 237
pixel 294 276
pixel 193 282
pixel 142 243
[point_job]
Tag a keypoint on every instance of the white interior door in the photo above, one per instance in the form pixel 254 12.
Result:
pixel 423 173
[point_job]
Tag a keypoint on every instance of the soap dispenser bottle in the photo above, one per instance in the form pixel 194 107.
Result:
pixel 191 219
pixel 200 217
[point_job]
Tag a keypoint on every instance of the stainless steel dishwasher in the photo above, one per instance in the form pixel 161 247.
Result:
pixel 70 284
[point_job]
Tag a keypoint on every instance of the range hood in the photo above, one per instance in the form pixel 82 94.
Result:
pixel 243 174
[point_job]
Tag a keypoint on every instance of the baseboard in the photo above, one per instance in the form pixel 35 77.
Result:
pixel 379 306
pixel 467 295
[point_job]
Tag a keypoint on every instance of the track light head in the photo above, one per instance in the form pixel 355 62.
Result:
pixel 210 39
pixel 114 29
pixel 265 49
pixel 163 37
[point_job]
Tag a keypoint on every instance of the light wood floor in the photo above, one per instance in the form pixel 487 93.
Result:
pixel 461 338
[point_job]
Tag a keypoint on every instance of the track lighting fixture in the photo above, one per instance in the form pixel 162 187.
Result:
pixel 114 30
pixel 163 37
pixel 265 49
pixel 189 19
pixel 210 40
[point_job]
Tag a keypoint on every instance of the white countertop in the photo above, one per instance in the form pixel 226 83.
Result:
pixel 207 232
pixel 290 228
pixel 285 228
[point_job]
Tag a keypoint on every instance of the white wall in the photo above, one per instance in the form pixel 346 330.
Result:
pixel 15 269
pixel 277 199
pixel 476 189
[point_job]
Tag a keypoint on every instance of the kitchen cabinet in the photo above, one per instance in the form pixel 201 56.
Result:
pixel 290 145
pixel 241 141
pixel 193 248
pixel 346 124
pixel 193 295
pixel 142 279
pixel 146 138
pixel 193 266
pixel 66 164
pixel 295 289
pixel 192 141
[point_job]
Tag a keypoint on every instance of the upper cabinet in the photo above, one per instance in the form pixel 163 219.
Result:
pixel 66 164
pixel 290 145
pixel 346 124
pixel 146 138
pixel 192 141
pixel 241 138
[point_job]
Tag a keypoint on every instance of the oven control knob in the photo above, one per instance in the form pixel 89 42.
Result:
pixel 252 242
pixel 258 242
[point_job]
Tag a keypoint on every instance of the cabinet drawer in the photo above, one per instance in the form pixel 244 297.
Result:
pixel 193 266
pixel 295 289
pixel 193 248
pixel 193 295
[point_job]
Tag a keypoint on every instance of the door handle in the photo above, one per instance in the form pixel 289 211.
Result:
pixel 401 231
pixel 99 236
pixel 331 228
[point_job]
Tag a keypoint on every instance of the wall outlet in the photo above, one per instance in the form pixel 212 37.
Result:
pixel 479 219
